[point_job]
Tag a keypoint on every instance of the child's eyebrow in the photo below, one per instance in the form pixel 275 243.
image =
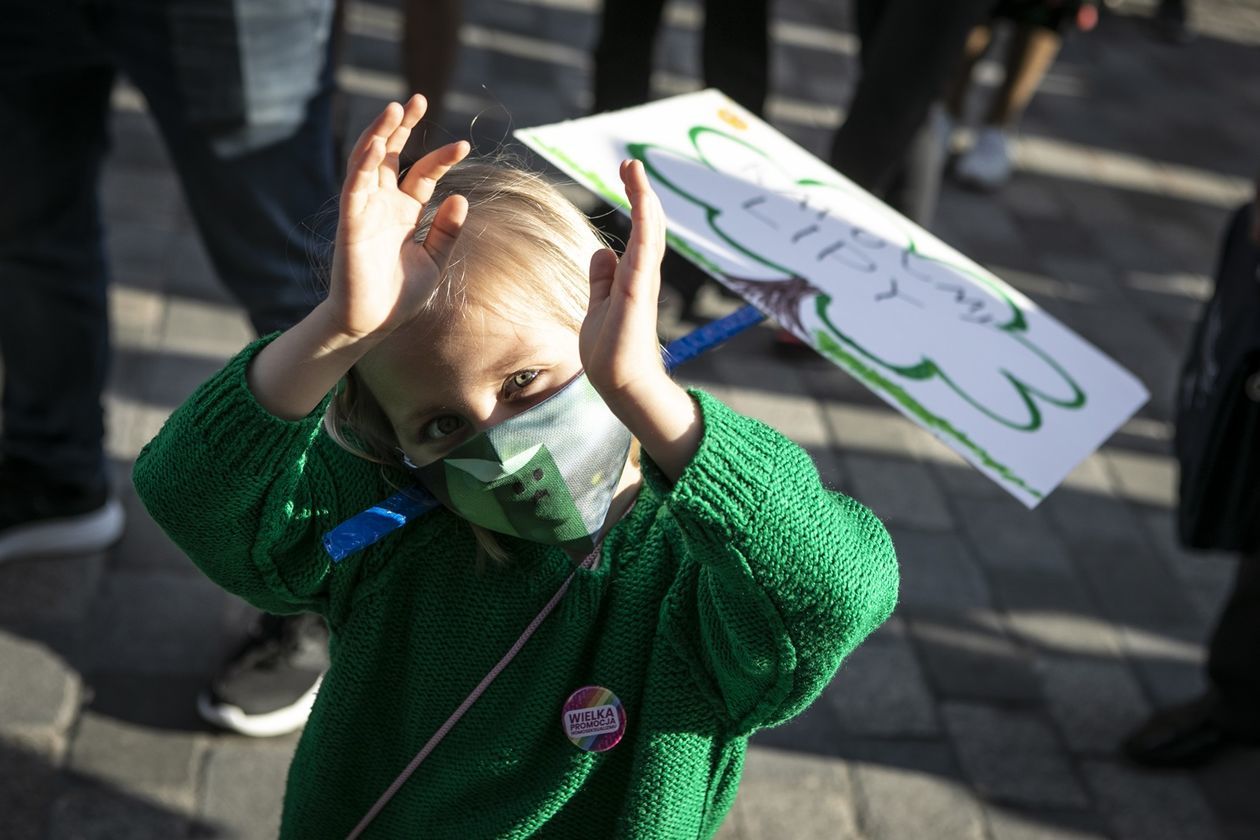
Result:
pixel 514 360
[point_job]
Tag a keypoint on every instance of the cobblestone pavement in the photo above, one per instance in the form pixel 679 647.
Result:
pixel 1025 645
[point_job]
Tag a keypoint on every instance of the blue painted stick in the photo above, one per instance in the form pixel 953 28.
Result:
pixel 364 529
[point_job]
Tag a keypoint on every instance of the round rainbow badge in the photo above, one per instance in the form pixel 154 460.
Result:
pixel 593 718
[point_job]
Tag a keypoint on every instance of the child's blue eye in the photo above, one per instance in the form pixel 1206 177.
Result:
pixel 440 427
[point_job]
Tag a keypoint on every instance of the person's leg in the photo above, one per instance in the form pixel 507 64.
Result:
pixel 978 41
pixel 988 163
pixel 1234 653
pixel 53 325
pixel 54 335
pixel 623 53
pixel 1030 55
pixel 916 188
pixel 263 190
pixel 430 46
pixel 1229 713
pixel 871 145
pixel 735 55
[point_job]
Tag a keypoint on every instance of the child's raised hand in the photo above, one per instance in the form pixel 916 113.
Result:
pixel 381 278
pixel 618 342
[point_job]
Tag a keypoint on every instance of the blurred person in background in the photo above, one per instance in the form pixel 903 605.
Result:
pixel 734 52
pixel 1218 448
pixel 734 58
pixel 891 141
pixel 430 50
pixel 1172 19
pixel 1036 38
pixel 241 92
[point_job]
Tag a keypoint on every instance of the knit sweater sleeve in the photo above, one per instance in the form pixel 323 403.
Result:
pixel 780 578
pixel 248 496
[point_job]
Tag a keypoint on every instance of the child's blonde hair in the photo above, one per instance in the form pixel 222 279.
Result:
pixel 524 252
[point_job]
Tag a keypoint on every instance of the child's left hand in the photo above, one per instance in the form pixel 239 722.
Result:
pixel 618 343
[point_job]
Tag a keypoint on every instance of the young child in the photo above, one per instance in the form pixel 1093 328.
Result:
pixel 714 584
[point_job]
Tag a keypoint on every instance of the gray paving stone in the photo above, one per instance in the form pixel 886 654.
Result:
pixel 1135 588
pixel 160 765
pixel 89 812
pixel 139 249
pixel 938 573
pixel 188 273
pixel 1043 824
pixel 910 789
pixel 204 330
pixel 1141 477
pixel 1030 199
pixel 774 393
pixel 139 194
pixel 1088 518
pixel 1228 784
pixel 1094 703
pixel 811 794
pixel 900 492
pixel 971 657
pixel 978 219
pixel 1149 806
pixel 130 639
pixel 965 482
pixel 1006 535
pixel 244 812
pixel 49 588
pixel 45 697
pixel 880 689
pixel 1012 756
pixel 1051 610
pixel 1208 576
pixel 1094 204
pixel 29 766
pixel 1169 682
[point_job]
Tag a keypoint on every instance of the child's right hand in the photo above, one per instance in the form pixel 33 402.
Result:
pixel 381 278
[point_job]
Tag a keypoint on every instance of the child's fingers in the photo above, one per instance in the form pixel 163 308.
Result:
pixel 424 174
pixel 413 109
pixel 446 227
pixel 603 272
pixel 647 229
pixel 361 178
pixel 383 126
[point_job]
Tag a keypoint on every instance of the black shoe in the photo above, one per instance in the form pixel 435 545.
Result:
pixel 40 515
pixel 269 686
pixel 1181 736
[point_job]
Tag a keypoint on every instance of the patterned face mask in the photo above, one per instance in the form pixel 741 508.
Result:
pixel 546 475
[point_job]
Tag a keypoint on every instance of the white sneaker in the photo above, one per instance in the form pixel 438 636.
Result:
pixel 42 516
pixel 987 164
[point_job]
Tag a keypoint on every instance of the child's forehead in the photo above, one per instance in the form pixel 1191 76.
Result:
pixel 462 344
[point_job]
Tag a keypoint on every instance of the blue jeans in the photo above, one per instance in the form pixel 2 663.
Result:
pixel 243 105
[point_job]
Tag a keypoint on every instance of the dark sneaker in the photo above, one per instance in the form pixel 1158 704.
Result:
pixel 42 516
pixel 1187 735
pixel 269 685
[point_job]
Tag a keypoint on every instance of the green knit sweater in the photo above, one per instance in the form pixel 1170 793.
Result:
pixel 721 604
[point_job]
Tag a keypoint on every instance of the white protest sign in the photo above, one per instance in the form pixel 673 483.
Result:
pixel 937 336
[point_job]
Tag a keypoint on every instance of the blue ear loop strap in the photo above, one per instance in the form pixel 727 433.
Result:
pixel 385 517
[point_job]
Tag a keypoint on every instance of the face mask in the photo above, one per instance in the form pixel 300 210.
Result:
pixel 546 475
